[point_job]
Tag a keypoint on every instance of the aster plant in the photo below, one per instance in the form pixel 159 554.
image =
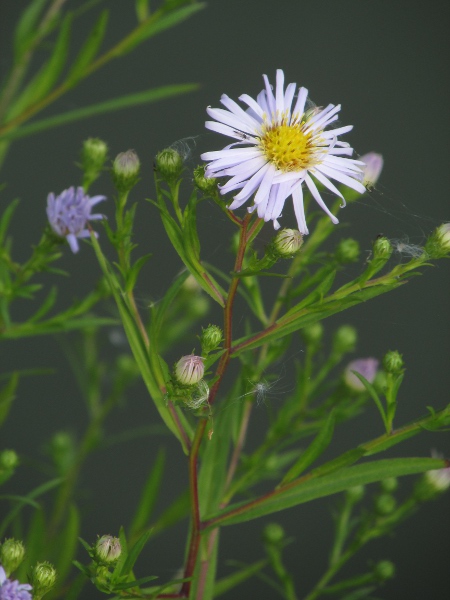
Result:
pixel 208 352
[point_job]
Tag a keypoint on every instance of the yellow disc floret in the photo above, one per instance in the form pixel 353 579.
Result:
pixel 287 147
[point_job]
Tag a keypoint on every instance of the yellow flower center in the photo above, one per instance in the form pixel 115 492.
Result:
pixel 288 147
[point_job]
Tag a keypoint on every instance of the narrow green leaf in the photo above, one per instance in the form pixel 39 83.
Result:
pixel 66 545
pixel 47 76
pixel 228 583
pixel 102 108
pixel 149 495
pixel 82 568
pixel 159 24
pixel 7 395
pixel 134 272
pixel 314 450
pixel 89 49
pixel 373 393
pixel 6 219
pixel 134 554
pixel 45 306
pixel 26 27
pixel 36 533
pixel 142 10
pixel 322 487
pixel 317 294
pixel 131 584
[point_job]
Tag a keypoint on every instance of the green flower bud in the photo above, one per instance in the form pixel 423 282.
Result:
pixel 125 170
pixel 347 251
pixel 382 248
pixel 385 504
pixel 312 334
pixel 356 493
pixel 389 485
pixel 273 533
pixel 169 164
pixel 208 185
pixel 8 460
pixel 286 243
pixel 367 367
pixel 384 570
pixel 393 362
pixel 107 550
pixel 189 370
pixel 94 154
pixel 345 339
pixel 211 338
pixel 43 578
pixel 12 553
pixel 438 244
pixel 63 451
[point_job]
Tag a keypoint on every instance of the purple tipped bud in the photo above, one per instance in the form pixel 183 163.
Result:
pixel 367 367
pixel 286 243
pixel 438 479
pixel 189 370
pixel 69 213
pixel 108 549
pixel 372 171
pixel 125 171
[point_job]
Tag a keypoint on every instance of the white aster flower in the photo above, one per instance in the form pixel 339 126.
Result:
pixel 284 148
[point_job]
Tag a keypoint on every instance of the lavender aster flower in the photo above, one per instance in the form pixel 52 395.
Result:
pixel 69 213
pixel 367 367
pixel 285 148
pixel 13 590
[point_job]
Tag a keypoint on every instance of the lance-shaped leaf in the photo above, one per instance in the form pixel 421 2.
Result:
pixel 327 485
pixel 314 450
pixel 7 395
pixel 26 27
pixel 89 49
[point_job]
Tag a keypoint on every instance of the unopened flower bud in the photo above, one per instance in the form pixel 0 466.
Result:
pixel 12 553
pixel 372 169
pixel 345 339
pixel 385 504
pixel 393 362
pixel 125 170
pixel 169 164
pixel 356 493
pixel 389 485
pixel 189 370
pixel 107 549
pixel 438 244
pixel 211 338
pixel 8 460
pixel 367 367
pixel 384 570
pixel 438 480
pixel 63 451
pixel 207 185
pixel 94 154
pixel 347 251
pixel 286 243
pixel 43 578
pixel 273 533
pixel 312 334
pixel 382 248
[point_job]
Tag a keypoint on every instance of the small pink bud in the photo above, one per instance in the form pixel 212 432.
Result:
pixel 367 367
pixel 189 370
pixel 372 171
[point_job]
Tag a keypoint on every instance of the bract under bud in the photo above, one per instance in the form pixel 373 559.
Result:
pixel 347 251
pixel 286 243
pixel 107 549
pixel 367 367
pixel 189 370
pixel 345 339
pixel 12 553
pixel 208 185
pixel 211 338
pixel 169 163
pixel 372 170
pixel 43 578
pixel 393 362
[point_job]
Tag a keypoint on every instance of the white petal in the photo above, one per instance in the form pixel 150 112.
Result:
pixel 239 112
pixel 348 181
pixel 262 101
pixel 242 152
pixel 279 91
pixel 317 197
pixel 299 209
pixel 270 97
pixel 249 188
pixel 327 183
pixel 73 242
pixel 281 197
pixel 251 103
pixel 232 161
pixel 230 132
pixel 266 183
pixel 299 108
pixel 339 131
pixel 227 118
pixel 347 151
pixel 281 177
pixel 288 97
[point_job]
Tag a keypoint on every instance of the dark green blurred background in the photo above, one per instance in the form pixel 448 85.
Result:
pixel 386 63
